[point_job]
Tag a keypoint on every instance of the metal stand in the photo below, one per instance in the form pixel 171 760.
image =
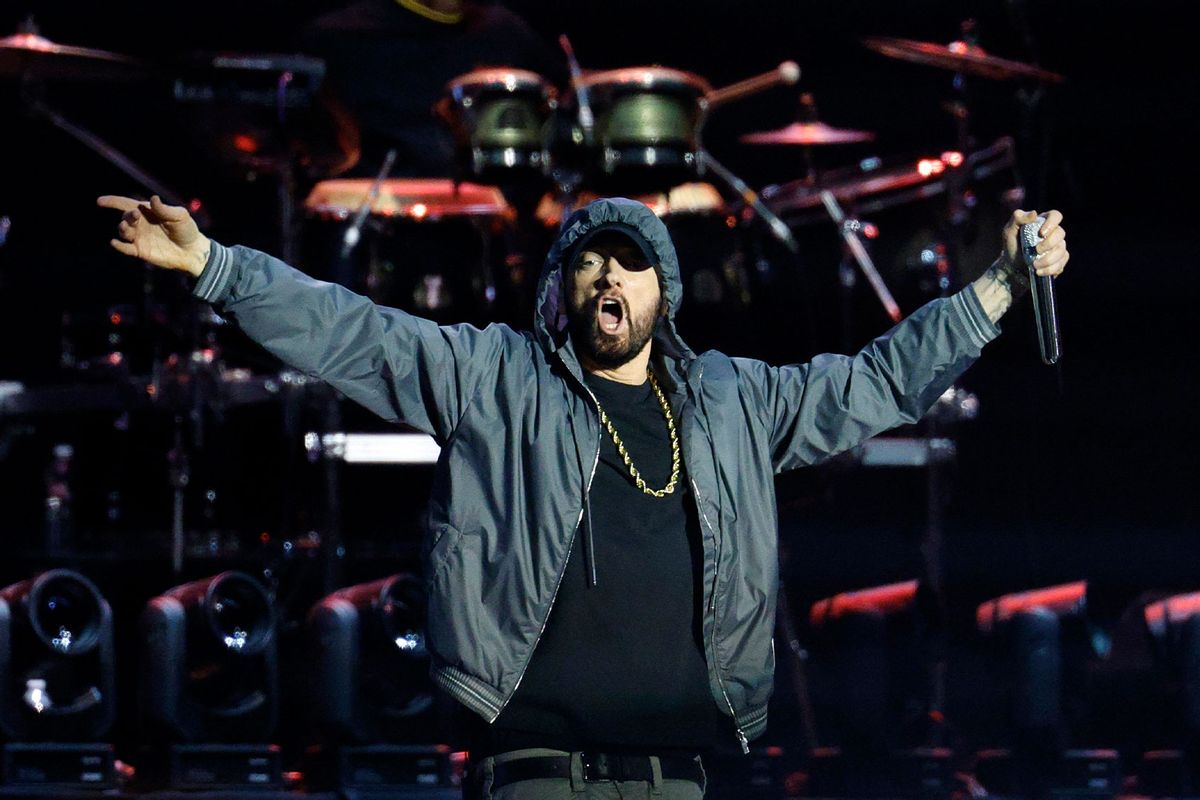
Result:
pixel 848 229
pixel 40 110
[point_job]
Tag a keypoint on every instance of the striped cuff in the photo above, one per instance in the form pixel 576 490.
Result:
pixel 217 277
pixel 979 327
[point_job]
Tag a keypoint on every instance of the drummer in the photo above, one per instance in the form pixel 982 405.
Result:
pixel 388 62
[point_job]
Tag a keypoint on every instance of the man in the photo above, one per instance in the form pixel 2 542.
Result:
pixel 601 553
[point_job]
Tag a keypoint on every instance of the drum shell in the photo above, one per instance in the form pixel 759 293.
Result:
pixel 501 122
pixel 921 247
pixel 427 248
pixel 647 129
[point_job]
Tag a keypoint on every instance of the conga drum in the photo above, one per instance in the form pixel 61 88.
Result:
pixel 432 247
pixel 500 119
pixel 647 127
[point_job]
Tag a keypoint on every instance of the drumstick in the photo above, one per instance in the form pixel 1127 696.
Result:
pixel 786 73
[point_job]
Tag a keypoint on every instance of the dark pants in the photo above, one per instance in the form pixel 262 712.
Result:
pixel 575 787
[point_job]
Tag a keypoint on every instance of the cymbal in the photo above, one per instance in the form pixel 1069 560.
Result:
pixel 807 133
pixel 960 57
pixel 34 56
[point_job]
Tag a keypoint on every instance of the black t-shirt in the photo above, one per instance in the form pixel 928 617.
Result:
pixel 621 665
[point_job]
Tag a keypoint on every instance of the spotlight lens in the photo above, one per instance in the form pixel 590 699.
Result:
pixel 65 613
pixel 239 609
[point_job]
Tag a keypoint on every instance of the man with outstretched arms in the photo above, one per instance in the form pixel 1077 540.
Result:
pixel 601 547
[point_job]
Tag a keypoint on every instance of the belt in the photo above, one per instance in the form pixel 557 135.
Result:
pixel 598 767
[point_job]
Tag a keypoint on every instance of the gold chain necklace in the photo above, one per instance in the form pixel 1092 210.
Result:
pixel 637 477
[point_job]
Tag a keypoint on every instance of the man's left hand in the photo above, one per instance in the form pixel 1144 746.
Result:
pixel 1052 252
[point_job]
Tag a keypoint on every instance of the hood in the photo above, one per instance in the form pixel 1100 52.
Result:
pixel 550 318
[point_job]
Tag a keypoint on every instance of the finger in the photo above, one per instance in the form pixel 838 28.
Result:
pixel 132 216
pixel 117 202
pixel 123 247
pixel 125 231
pixel 1051 272
pixel 1020 217
pixel 166 212
pixel 1050 255
pixel 1056 266
pixel 1052 240
pixel 1053 220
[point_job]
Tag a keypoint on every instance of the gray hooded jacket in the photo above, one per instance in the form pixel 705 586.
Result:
pixel 520 437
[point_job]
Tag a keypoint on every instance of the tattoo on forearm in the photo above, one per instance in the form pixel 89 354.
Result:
pixel 997 287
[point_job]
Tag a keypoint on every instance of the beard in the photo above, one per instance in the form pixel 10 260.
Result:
pixel 607 350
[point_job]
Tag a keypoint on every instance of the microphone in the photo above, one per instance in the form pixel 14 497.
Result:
pixel 1043 294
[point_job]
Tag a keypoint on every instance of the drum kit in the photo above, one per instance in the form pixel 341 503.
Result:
pixel 458 247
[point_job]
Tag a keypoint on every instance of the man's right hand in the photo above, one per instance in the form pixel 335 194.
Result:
pixel 165 236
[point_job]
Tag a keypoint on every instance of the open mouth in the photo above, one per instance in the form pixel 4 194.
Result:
pixel 612 315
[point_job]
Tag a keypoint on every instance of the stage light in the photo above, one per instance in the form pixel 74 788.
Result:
pixel 1173 628
pixel 372 699
pixel 57 679
pixel 209 692
pixel 1039 638
pixel 869 645
pixel 858 633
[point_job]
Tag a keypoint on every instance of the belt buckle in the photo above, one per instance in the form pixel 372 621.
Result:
pixel 596 767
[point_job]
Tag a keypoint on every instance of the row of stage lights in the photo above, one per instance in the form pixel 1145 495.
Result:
pixel 209 695
pixel 1038 645
pixel 209 686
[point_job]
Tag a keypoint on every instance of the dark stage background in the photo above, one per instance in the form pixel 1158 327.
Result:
pixel 1084 471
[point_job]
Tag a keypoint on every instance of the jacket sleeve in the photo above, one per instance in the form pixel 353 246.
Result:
pixel 401 367
pixel 835 402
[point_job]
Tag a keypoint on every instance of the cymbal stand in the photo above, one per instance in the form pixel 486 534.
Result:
pixel 778 227
pixel 848 229
pixel 958 211
pixel 30 91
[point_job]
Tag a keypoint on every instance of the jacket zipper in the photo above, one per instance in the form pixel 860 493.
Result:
pixel 561 573
pixel 712 605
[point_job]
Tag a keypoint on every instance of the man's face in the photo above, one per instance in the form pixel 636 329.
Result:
pixel 614 300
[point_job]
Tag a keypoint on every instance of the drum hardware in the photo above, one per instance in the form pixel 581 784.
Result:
pixel 122 162
pixel 807 133
pixel 871 186
pixel 916 266
pixel 587 120
pixel 29 56
pixel 34 59
pixel 962 56
pixel 261 80
pixel 354 231
pixel 258 113
pixel 432 246
pixel 786 74
pixel 777 227
pixel 850 230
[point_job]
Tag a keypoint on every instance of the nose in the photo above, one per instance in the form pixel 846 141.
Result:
pixel 614 274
